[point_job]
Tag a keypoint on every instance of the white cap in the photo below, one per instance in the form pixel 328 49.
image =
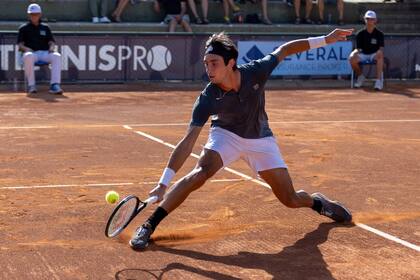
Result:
pixel 34 9
pixel 370 14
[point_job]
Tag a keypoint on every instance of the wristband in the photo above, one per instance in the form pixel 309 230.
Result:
pixel 167 176
pixel 316 42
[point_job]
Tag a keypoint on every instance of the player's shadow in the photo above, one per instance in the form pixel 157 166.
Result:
pixel 144 274
pixel 47 97
pixel 301 260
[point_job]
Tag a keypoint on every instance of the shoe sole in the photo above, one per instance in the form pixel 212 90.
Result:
pixel 56 92
pixel 344 215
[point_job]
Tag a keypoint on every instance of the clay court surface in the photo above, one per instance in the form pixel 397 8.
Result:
pixel 60 155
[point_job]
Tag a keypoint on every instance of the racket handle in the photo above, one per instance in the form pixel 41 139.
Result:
pixel 151 199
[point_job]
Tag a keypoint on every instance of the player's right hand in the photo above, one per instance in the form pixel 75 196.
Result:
pixel 158 191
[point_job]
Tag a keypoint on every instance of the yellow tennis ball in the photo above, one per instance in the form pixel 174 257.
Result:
pixel 111 197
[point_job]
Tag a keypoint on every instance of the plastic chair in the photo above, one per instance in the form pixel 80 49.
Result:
pixel 361 64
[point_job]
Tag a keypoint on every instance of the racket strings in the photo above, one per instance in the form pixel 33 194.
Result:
pixel 123 216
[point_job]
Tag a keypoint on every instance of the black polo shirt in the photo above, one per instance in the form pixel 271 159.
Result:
pixel 369 43
pixel 242 112
pixel 35 37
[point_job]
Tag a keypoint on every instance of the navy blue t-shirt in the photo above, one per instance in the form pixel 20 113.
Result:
pixel 243 112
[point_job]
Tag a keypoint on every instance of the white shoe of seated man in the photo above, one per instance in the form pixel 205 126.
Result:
pixel 379 84
pixel 104 20
pixel 95 20
pixel 359 82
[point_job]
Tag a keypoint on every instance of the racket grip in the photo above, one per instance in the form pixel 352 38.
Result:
pixel 151 199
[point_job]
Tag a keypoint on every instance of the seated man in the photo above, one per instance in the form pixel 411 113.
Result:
pixel 36 42
pixel 369 47
pixel 175 13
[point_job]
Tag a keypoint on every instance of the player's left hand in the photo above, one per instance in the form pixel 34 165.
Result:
pixel 338 35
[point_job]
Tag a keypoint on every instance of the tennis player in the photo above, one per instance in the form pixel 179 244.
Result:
pixel 235 101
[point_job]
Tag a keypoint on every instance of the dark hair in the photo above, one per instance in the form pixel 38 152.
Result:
pixel 221 40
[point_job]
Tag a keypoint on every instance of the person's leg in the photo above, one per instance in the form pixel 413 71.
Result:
pixel 209 163
pixel 281 185
pixel 379 57
pixel 193 8
pixel 103 8
pixel 205 9
pixel 354 62
pixel 55 60
pixel 186 26
pixel 321 6
pixel 172 25
pixel 308 10
pixel 116 15
pixel 296 4
pixel 93 7
pixel 265 20
pixel 226 11
pixel 340 8
pixel 234 7
pixel 29 59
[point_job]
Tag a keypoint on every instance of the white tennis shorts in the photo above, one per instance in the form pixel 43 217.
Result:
pixel 366 57
pixel 260 154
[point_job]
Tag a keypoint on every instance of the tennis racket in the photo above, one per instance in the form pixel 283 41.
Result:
pixel 124 213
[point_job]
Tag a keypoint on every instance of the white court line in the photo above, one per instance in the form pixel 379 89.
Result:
pixel 101 184
pixel 185 124
pixel 226 180
pixel 388 236
pixel 72 185
pixel 240 174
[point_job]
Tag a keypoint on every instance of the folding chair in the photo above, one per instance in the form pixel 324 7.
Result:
pixel 361 64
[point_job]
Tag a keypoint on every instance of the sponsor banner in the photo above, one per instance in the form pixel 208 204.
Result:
pixel 162 57
pixel 111 58
pixel 414 59
pixel 328 60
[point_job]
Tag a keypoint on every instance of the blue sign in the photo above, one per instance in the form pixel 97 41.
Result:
pixel 328 60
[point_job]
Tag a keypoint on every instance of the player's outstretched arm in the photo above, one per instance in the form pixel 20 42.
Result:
pixel 180 154
pixel 302 45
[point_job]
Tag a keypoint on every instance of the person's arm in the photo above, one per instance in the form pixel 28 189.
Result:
pixel 178 157
pixel 50 39
pixel 52 46
pixel 359 42
pixel 302 45
pixel 21 41
pixel 156 6
pixel 200 114
pixel 382 42
pixel 24 48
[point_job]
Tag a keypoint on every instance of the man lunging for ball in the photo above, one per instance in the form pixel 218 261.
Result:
pixel 235 100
